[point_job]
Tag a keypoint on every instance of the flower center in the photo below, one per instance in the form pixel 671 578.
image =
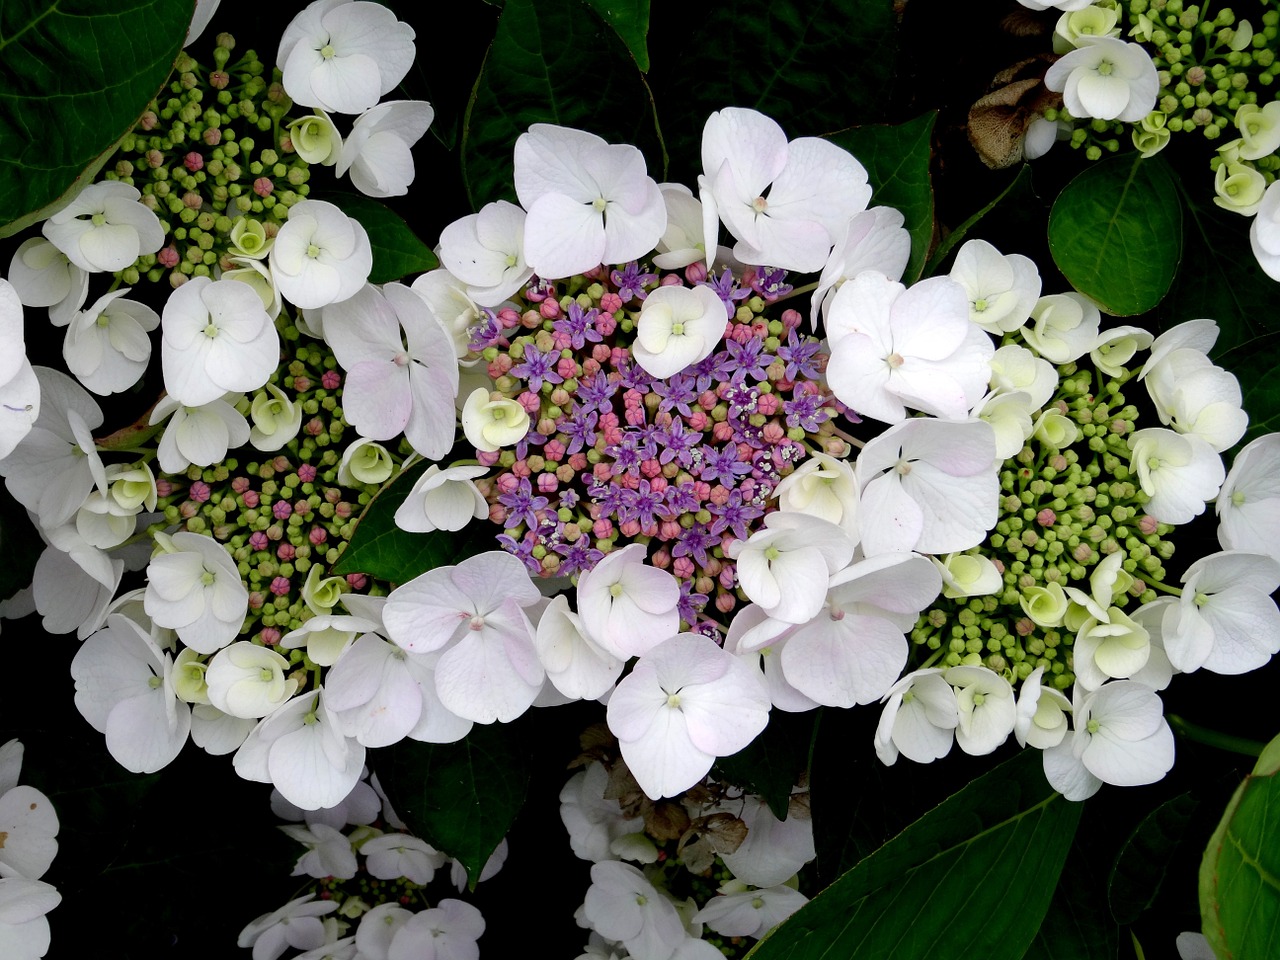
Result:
pixel 327 51
pixel 477 623
pixel 598 204
pixel 759 204
pixel 1105 68
pixel 210 331
pixel 894 360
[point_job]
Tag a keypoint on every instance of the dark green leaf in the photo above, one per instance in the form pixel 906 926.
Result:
pixel 1020 186
pixel 897 162
pixel 1143 860
pixel 1240 872
pixel 773 763
pixel 814 67
pixel 1222 279
pixel 460 797
pixel 553 61
pixel 384 551
pixel 1077 926
pixel 74 77
pixel 397 251
pixel 971 878
pixel 1256 365
pixel 630 20
pixel 1115 233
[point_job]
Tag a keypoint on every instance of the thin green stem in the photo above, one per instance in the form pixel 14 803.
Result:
pixel 1215 738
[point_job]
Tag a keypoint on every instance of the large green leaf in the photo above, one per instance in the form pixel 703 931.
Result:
pixel 1115 232
pixel 773 763
pixel 1077 926
pixel 460 797
pixel 74 77
pixel 551 61
pixel 397 250
pixel 1256 365
pixel 815 67
pixel 897 162
pixel 971 878
pixel 1142 862
pixel 384 551
pixel 1223 281
pixel 630 21
pixel 1240 872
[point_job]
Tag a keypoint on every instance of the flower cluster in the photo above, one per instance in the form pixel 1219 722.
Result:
pixel 27 849
pixel 370 876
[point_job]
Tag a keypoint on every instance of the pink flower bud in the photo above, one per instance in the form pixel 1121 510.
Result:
pixel 611 303
pixel 193 161
pixel 1046 517
pixel 280 586
pixel 602 529
pixel 270 636
pixel 258 540
pixel 251 499
pixel 629 528
pixel 281 510
pixel 149 120
pixel 488 458
pixel 188 510
pixel 256 600
pixel 725 602
pixel 578 462
pixel 669 530
pixel 521 469
pixel 682 567
pixel 606 323
pixel 331 380
pixel 192 200
pixel 773 433
pixel 722 431
pixel 199 492
pixel 263 186
pixel 1148 524
pixel 549 309
pixel 317 536
pixel 508 483
pixel 695 273
pixel 1024 626
pixel 357 581
pixel 791 319
pixel 547 483
pixel 286 551
pixel 306 473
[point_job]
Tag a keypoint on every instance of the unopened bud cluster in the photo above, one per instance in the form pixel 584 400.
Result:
pixel 1061 512
pixel 213 159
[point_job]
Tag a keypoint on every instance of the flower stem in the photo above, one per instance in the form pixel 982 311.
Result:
pixel 1215 738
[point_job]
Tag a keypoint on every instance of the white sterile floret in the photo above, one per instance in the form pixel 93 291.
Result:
pixel 1119 736
pixel 343 56
pixel 785 567
pixel 53 462
pixel 106 346
pixel 928 485
pixel 28 821
pixel 301 750
pixel 24 930
pixel 1075 28
pixel 329 852
pixel 116 672
pixel 1248 506
pixel 276 419
pixel 737 911
pixel 485 251
pixel 193 587
pixel 297 924
pixel 1001 289
pixel 1107 79
pixel 592 820
pixel 1112 646
pixel 774 850
pixel 402 375
pixel 874 239
pixel 43 276
pixel 627 606
pixel 968 575
pixel 683 242
pixel 1010 417
pixel 1198 335
pixel 445 499
pixel 813 189
pixel 450 301
pixel 321 256
pixel 1042 713
pixel 986 708
pixel 365 461
pixel 1064 327
pixel 919 718
pixel 824 487
pixel 1179 473
pixel 376 154
pixel 475 613
pixel 1239 187
pixel 248 680
pixel 256 275
pixel 576 665
pixel 677 327
pixel 1016 369
pixel 1259 128
pixel 685 703
pixel 1114 348
pixel 854 648
pixel 395 855
pixel 316 139
pixel 216 338
pixel 588 201
pixel 200 435
pixel 894 348
pixel 105 228
pixel 492 423
pixel 624 906
pixel 1195 396
pixel 1225 620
